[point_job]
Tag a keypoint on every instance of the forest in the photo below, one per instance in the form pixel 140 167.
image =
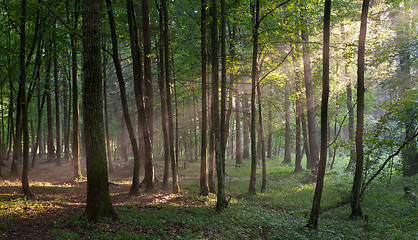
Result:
pixel 210 119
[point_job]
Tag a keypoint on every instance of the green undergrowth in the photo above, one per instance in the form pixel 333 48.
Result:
pixel 278 213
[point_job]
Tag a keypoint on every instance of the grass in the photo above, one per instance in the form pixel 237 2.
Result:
pixel 278 213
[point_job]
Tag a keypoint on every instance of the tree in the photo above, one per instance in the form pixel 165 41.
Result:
pixel 23 101
pixel 204 188
pixel 313 219
pixel 307 75
pixel 98 199
pixel 221 202
pixel 254 73
pixel 358 174
pixel 74 75
pixel 173 155
pixel 287 138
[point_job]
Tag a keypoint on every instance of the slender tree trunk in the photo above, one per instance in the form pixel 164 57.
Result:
pixel 98 198
pixel 163 95
pixel 263 151
pixel 173 155
pixel 57 109
pixel 287 138
pixel 50 136
pixel 74 69
pixel 238 160
pixel 221 202
pixel 298 159
pixel 66 125
pixel 106 113
pixel 313 148
pixel 253 176
pixel 358 175
pixel 245 126
pixel 270 134
pixel 24 104
pixel 305 138
pixel 115 54
pixel 313 219
pixel 351 140
pixel 204 188
pixel 144 116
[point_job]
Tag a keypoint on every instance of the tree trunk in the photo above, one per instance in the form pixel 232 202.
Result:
pixel 245 126
pixel 351 141
pixel 57 109
pixel 204 188
pixel 270 135
pixel 74 69
pixel 173 156
pixel 313 148
pixel 66 121
pixel 313 219
pixel 287 138
pixel 50 136
pixel 116 61
pixel 263 151
pixel 298 157
pixel 106 113
pixel 24 104
pixel 254 72
pixel 221 202
pixel 98 198
pixel 358 175
pixel 238 160
pixel 163 96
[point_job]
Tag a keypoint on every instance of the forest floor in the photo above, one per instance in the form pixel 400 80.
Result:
pixel 279 213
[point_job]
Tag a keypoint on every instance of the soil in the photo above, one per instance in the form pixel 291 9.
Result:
pixel 47 181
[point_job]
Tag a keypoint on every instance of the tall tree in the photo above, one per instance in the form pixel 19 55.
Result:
pixel 145 102
pixel 57 106
pixel 163 94
pixel 313 219
pixel 358 175
pixel 173 155
pixel 23 101
pixel 204 188
pixel 116 61
pixel 221 202
pixel 74 75
pixel 287 138
pixel 98 197
pixel 254 73
pixel 307 75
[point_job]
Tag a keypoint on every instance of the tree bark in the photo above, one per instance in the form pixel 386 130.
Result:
pixel 106 113
pixel 173 155
pixel 163 95
pixel 254 72
pixel 24 104
pixel 204 188
pixel 116 61
pixel 270 135
pixel 57 108
pixel 98 198
pixel 287 138
pixel 238 158
pixel 298 140
pixel 74 69
pixel 221 202
pixel 313 219
pixel 358 174
pixel 245 126
pixel 313 148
